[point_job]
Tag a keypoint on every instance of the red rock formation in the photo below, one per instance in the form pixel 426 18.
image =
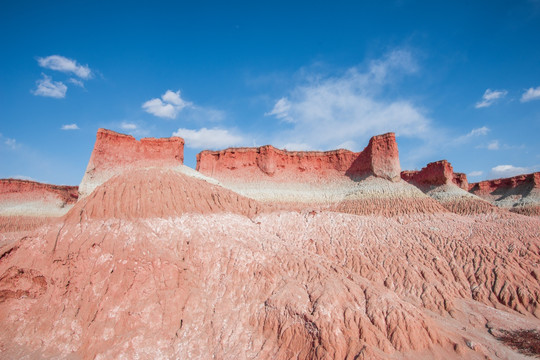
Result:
pixel 158 264
pixel 33 189
pixel 520 194
pixel 439 181
pixel 505 184
pixel 434 174
pixel 460 179
pixel 379 158
pixel 25 205
pixel 114 152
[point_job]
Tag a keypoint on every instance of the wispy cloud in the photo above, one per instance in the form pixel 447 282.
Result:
pixel 328 111
pixel 502 171
pixel 11 143
pixel 490 97
pixel 49 88
pixel 475 173
pixel 63 64
pixel 76 82
pixel 70 127
pixel 494 145
pixel 474 133
pixel 214 138
pixel 168 106
pixel 531 94
pixel 128 126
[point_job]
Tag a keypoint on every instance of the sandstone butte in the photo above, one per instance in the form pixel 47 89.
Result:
pixel 268 254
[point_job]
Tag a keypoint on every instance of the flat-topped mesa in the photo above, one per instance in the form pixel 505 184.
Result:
pixel 114 152
pixel 434 174
pixel 34 199
pixel 489 186
pixel 439 181
pixel 266 163
pixel 520 194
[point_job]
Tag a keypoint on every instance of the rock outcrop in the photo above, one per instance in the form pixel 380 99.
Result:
pixel 299 177
pixel 519 194
pixel 266 163
pixel 439 181
pixel 161 262
pixel 114 152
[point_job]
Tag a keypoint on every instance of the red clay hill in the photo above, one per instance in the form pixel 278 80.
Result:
pixel 162 262
pixel 114 152
pixel 27 204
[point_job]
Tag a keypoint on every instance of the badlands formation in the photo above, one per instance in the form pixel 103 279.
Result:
pixel 268 254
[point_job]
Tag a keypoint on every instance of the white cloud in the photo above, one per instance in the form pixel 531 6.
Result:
pixel 76 82
pixel 168 106
pixel 12 143
pixel 482 131
pixel 494 145
pixel 204 138
pixel 475 173
pixel 327 111
pixel 502 171
pixel 63 64
pixel 49 88
pixel 489 98
pixel 281 109
pixel 128 126
pixel 531 94
pixel 70 127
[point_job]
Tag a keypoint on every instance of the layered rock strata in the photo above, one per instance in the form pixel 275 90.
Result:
pixel 339 180
pixel 160 263
pixel 439 181
pixel 27 204
pixel 519 194
pixel 114 152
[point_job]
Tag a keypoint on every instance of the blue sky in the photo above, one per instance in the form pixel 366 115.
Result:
pixel 458 80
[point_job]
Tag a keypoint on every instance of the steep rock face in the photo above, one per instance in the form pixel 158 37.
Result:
pixel 27 204
pixel 299 177
pixel 434 174
pixel 519 194
pixel 499 186
pixel 267 162
pixel 460 179
pixel 379 158
pixel 114 152
pixel 439 181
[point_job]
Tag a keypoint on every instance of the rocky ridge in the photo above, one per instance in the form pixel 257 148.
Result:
pixel 27 204
pixel 438 180
pixel 520 194
pixel 160 261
